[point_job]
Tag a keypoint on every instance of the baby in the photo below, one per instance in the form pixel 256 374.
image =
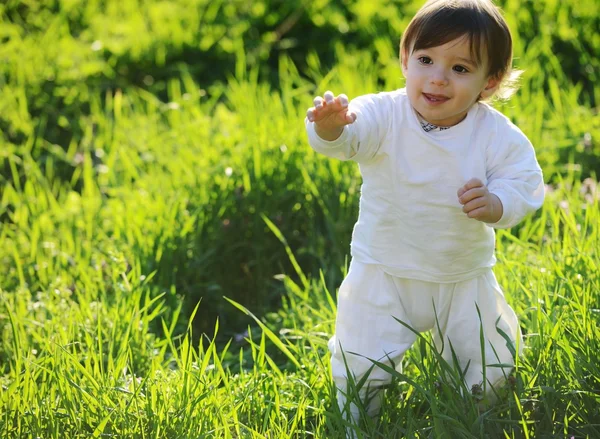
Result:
pixel 441 169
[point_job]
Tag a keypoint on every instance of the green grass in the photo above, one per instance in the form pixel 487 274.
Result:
pixel 137 294
pixel 83 362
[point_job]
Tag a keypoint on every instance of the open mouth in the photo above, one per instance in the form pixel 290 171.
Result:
pixel 435 99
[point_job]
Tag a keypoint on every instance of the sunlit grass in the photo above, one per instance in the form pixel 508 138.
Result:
pixel 84 362
pixel 112 282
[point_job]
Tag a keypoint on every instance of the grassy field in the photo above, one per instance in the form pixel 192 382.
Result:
pixel 179 281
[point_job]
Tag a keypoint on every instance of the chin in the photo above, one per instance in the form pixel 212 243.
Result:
pixel 433 116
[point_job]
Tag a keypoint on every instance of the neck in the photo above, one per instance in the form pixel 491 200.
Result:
pixel 437 124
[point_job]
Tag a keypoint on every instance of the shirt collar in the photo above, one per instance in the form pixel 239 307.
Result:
pixel 429 127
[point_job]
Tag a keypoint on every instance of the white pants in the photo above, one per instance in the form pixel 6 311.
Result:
pixel 370 301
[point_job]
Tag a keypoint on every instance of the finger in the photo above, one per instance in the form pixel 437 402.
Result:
pixel 477 213
pixel 343 100
pixel 318 102
pixel 310 114
pixel 474 204
pixel 473 183
pixel 471 194
pixel 328 97
pixel 350 117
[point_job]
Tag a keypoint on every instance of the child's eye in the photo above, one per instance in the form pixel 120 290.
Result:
pixel 460 69
pixel 425 60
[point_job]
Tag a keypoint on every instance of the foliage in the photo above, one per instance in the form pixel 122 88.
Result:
pixel 58 55
pixel 119 83
pixel 153 157
pixel 84 361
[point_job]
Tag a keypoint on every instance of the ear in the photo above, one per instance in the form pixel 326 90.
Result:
pixel 490 87
pixel 404 61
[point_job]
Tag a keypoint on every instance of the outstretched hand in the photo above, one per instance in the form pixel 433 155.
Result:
pixel 330 114
pixel 479 203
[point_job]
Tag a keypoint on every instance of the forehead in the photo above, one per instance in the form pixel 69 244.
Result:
pixel 463 46
pixel 460 47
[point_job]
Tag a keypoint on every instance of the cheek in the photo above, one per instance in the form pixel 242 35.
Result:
pixel 413 86
pixel 469 85
pixel 413 76
pixel 466 89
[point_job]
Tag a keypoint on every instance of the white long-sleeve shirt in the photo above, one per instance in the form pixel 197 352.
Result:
pixel 410 220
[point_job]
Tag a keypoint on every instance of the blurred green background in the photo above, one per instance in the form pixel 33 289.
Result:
pixel 145 142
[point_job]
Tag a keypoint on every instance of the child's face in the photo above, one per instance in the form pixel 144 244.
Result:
pixel 443 82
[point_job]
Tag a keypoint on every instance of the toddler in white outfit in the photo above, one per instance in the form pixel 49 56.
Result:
pixel 441 169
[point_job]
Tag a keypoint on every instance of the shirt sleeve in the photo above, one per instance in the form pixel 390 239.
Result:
pixel 361 140
pixel 515 177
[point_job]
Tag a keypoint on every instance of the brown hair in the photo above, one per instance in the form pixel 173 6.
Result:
pixel 441 21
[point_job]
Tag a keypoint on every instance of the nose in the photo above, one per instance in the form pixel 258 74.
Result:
pixel 438 77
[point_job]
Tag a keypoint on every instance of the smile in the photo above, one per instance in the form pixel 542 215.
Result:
pixel 435 99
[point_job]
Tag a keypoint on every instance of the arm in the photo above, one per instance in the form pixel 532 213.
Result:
pixel 515 184
pixel 346 131
pixel 515 177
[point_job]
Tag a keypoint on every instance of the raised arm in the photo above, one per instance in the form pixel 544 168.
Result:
pixel 348 130
pixel 330 115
